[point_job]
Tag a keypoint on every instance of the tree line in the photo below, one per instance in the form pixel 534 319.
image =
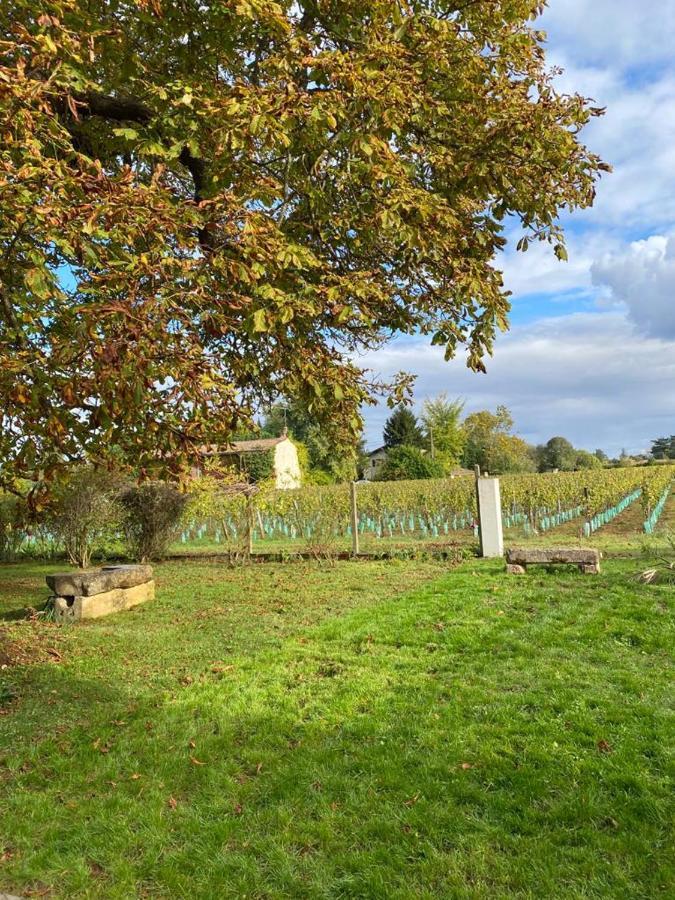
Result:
pixel 440 441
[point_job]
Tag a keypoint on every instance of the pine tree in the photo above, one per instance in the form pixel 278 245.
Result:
pixel 402 429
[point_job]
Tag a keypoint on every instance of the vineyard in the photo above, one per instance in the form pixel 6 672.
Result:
pixel 580 502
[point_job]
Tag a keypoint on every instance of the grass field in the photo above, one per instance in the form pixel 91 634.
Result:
pixel 370 729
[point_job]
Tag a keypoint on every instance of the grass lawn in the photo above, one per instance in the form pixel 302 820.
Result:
pixel 375 729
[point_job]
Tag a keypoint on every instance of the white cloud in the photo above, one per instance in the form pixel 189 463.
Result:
pixel 604 378
pixel 587 376
pixel 623 33
pixel 643 278
pixel 539 271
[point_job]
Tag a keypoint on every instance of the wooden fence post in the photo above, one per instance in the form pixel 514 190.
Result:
pixel 355 519
pixel 249 510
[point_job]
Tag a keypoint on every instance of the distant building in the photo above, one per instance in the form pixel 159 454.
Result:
pixel 285 463
pixel 374 461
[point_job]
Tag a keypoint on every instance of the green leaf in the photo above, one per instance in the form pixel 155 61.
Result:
pixel 260 320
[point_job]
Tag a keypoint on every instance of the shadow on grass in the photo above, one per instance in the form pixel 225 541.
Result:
pixel 399 754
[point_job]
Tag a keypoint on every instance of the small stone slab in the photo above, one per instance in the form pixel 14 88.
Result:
pixel 75 609
pixel 90 582
pixel 518 558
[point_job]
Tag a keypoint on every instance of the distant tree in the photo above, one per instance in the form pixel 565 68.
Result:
pixel 402 428
pixel 664 448
pixel 443 430
pixel 510 454
pixel 602 456
pixel 404 463
pixel 586 460
pixel 481 431
pixel 559 454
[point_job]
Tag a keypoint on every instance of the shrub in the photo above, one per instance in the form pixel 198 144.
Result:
pixel 409 464
pixel 84 512
pixel 152 514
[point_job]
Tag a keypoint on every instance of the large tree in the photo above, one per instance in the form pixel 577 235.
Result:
pixel 664 448
pixel 441 419
pixel 207 204
pixel 558 453
pixel 491 444
pixel 402 429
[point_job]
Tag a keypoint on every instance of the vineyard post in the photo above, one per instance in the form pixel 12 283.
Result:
pixel 354 518
pixel 476 472
pixel 249 520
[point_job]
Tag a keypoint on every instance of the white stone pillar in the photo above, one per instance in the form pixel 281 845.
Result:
pixel 490 517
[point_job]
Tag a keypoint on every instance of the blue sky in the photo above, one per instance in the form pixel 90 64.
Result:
pixel 591 351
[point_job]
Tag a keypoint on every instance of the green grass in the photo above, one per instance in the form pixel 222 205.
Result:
pixel 369 730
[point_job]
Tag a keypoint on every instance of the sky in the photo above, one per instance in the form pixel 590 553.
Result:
pixel 591 350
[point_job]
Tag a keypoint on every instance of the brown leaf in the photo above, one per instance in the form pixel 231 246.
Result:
pixel 196 762
pixel 173 803
pixel 466 765
pixel 604 746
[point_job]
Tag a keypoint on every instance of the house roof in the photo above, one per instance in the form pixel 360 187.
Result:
pixel 377 450
pixel 256 446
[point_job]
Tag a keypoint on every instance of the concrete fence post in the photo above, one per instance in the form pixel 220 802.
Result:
pixel 490 517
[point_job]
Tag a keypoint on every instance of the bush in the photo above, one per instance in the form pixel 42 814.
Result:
pixel 409 464
pixel 84 512
pixel 152 514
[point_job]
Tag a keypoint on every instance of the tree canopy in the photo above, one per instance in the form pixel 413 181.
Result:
pixel 441 419
pixel 405 463
pixel 402 428
pixel 664 448
pixel 205 205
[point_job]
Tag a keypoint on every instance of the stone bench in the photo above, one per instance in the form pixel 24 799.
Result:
pixel 519 558
pixel 94 593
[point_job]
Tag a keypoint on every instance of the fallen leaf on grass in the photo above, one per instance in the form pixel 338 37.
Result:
pixel 135 776
pixel 238 809
pixel 466 765
pixel 604 746
pixel 196 762
pixel 102 748
pixel 173 803
pixel 54 652
pixel 413 800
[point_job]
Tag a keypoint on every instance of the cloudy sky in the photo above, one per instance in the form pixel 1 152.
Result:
pixel 591 351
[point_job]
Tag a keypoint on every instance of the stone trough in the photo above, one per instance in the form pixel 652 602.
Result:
pixel 94 593
pixel 519 558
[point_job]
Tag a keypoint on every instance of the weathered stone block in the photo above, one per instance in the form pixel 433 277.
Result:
pixel 77 608
pixel 518 558
pixel 523 556
pixel 89 582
